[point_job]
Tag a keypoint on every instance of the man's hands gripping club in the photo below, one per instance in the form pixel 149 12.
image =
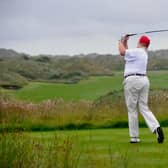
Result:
pixel 123 45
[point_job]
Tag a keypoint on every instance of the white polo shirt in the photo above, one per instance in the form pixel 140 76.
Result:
pixel 136 61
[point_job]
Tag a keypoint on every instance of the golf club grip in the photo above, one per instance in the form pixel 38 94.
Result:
pixel 133 34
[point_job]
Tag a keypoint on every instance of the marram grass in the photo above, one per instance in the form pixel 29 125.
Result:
pixel 106 112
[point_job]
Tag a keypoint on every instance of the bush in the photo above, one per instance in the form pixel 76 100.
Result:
pixel 43 59
pixel 12 80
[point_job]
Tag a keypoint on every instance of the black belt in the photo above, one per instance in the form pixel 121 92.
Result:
pixel 136 74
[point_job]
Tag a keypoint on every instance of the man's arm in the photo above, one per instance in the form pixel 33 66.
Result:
pixel 123 45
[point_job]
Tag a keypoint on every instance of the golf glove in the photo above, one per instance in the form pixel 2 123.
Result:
pixel 124 38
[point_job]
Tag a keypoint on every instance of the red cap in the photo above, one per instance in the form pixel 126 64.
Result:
pixel 144 40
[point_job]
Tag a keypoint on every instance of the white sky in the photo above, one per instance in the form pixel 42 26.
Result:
pixel 79 26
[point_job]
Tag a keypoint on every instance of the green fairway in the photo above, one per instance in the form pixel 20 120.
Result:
pixel 89 89
pixel 111 148
pixel 108 148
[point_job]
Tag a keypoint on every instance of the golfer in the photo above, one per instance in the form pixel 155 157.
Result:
pixel 136 88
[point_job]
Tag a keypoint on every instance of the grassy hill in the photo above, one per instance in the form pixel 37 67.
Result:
pixel 18 69
pixel 88 89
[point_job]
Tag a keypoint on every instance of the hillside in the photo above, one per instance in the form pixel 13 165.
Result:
pixel 17 69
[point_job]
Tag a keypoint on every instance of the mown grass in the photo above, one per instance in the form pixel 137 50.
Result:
pixel 108 148
pixel 88 89
pixel 158 79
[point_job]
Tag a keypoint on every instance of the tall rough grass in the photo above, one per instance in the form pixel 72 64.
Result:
pixel 108 111
pixel 56 114
pixel 18 150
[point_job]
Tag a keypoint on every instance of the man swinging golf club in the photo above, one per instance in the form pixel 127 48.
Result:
pixel 136 88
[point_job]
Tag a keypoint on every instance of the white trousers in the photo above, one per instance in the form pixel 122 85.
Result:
pixel 136 89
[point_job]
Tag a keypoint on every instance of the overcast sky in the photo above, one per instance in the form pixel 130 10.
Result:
pixel 79 26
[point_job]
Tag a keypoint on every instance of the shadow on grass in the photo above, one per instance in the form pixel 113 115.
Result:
pixel 70 126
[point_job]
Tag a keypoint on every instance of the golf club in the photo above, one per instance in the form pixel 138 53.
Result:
pixel 147 32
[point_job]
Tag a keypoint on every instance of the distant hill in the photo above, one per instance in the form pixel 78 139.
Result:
pixel 17 69
pixel 7 53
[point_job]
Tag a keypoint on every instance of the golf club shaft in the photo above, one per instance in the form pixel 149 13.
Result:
pixel 147 32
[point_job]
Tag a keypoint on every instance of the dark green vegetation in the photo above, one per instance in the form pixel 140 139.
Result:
pixel 17 69
pixel 101 148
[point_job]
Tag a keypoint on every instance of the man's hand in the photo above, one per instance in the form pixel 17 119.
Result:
pixel 122 46
pixel 124 38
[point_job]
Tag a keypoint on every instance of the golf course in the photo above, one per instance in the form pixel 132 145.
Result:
pixel 79 125
pixel 87 89
pixel 83 84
